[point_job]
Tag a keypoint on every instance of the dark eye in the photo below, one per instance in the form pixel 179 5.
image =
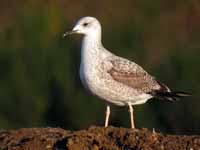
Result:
pixel 85 24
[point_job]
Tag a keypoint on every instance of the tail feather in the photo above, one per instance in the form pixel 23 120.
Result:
pixel 172 96
pixel 166 94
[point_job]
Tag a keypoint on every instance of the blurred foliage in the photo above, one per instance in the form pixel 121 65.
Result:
pixel 39 75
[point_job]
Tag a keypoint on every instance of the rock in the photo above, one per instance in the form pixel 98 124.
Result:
pixel 94 138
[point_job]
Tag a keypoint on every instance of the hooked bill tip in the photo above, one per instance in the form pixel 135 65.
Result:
pixel 65 34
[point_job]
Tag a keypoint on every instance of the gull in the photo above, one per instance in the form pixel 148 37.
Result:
pixel 112 78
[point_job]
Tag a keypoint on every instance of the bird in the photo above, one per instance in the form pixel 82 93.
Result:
pixel 112 78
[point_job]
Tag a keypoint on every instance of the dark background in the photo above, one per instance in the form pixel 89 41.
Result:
pixel 39 70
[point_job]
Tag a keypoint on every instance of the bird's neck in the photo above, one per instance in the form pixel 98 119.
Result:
pixel 92 40
pixel 91 46
pixel 91 52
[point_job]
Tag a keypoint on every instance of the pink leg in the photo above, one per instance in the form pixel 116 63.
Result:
pixel 131 115
pixel 107 115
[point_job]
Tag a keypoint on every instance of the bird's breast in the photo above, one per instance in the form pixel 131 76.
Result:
pixel 88 76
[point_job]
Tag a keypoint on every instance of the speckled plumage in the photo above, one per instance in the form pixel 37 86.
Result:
pixel 113 78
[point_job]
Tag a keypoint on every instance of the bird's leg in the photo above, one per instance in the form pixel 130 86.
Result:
pixel 131 115
pixel 107 115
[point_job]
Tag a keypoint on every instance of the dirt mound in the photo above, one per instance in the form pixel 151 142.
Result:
pixel 94 138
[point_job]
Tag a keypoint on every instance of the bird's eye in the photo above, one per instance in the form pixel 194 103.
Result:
pixel 85 24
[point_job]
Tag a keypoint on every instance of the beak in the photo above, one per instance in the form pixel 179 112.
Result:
pixel 69 32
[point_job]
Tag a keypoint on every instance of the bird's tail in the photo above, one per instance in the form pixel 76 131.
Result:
pixel 172 96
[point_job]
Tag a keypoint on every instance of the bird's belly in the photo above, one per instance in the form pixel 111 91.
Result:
pixel 106 89
pixel 119 96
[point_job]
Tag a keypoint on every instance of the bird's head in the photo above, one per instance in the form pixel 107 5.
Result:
pixel 86 26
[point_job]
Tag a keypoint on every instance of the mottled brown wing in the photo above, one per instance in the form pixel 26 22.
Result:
pixel 132 75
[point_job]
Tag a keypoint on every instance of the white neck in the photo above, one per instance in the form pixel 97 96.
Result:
pixel 91 46
pixel 92 50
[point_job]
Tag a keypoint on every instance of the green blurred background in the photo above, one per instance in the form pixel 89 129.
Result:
pixel 39 70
